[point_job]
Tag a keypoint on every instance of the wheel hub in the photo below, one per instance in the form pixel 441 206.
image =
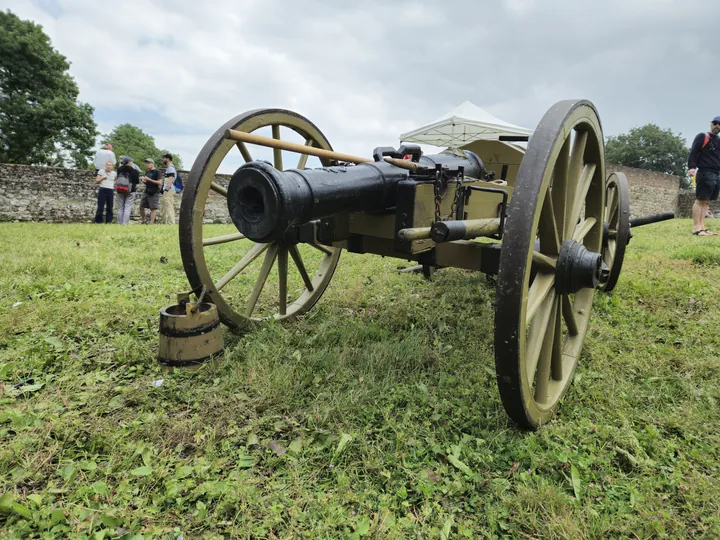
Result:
pixel 578 268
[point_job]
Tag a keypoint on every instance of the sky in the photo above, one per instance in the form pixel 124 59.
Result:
pixel 366 71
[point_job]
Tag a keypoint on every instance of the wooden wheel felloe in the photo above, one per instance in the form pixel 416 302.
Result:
pixel 617 226
pixel 248 281
pixel 541 320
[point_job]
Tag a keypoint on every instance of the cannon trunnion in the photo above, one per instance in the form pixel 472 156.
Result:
pixel 553 235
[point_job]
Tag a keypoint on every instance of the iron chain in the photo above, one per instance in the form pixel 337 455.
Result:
pixel 437 187
pixel 456 200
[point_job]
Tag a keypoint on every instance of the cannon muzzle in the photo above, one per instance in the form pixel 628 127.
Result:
pixel 264 203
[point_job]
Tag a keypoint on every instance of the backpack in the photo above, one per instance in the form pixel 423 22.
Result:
pixel 122 184
pixel 178 183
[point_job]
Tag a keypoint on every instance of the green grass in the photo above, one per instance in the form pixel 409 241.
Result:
pixel 375 415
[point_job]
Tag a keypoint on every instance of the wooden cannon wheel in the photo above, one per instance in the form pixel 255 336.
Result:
pixel 291 278
pixel 558 196
pixel 617 219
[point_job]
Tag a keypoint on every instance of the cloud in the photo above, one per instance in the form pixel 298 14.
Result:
pixel 364 72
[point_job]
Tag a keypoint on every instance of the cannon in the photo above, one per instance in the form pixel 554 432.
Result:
pixel 552 232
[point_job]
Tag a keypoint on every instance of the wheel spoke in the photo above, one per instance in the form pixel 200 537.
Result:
pixel 217 188
pixel 556 371
pixel 262 279
pixel 583 228
pixel 583 186
pixel 540 288
pixel 277 153
pixel 569 315
pixel 544 261
pixel 282 278
pixel 609 204
pixel 536 336
pixel 244 151
pixel 574 171
pixel 302 162
pixel 547 228
pixel 560 186
pixel 611 248
pixel 542 381
pixel 324 249
pixel 614 214
pixel 301 267
pixel 249 257
pixel 222 239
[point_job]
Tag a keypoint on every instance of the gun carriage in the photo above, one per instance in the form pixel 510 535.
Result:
pixel 552 234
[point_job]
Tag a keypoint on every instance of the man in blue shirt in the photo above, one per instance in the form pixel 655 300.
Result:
pixel 704 163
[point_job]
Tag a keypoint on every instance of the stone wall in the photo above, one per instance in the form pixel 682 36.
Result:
pixel 686 199
pixel 650 192
pixel 68 195
pixel 64 195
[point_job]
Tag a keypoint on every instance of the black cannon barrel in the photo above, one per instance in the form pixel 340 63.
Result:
pixel 652 218
pixel 264 202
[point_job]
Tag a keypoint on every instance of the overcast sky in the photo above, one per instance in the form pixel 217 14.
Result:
pixel 370 70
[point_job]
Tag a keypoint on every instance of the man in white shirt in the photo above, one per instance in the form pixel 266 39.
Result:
pixel 102 156
pixel 106 180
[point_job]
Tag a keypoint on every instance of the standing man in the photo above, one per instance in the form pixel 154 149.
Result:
pixel 125 200
pixel 167 204
pixel 150 200
pixel 102 156
pixel 704 160
pixel 106 179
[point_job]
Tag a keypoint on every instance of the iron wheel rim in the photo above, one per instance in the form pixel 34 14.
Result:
pixel 521 351
pixel 194 200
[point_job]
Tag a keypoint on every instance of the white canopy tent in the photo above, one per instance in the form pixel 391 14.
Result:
pixel 463 125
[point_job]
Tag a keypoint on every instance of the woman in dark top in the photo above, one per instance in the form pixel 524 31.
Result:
pixel 125 200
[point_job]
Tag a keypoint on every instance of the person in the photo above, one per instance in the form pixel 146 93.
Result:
pixel 125 200
pixel 102 156
pixel 132 164
pixel 106 179
pixel 704 164
pixel 151 199
pixel 167 203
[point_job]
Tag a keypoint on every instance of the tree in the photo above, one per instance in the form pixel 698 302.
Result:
pixel 129 140
pixel 650 148
pixel 41 120
pixel 177 160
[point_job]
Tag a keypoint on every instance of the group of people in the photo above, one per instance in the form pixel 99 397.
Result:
pixel 121 186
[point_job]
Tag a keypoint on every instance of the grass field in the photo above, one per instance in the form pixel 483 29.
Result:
pixel 376 415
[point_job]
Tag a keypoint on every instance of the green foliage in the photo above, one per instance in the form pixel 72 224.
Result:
pixel 375 416
pixel 129 140
pixel 651 148
pixel 41 121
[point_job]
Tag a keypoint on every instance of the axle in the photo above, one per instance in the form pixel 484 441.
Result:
pixel 652 218
pixel 265 203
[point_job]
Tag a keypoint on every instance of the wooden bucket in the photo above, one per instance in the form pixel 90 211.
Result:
pixel 190 335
